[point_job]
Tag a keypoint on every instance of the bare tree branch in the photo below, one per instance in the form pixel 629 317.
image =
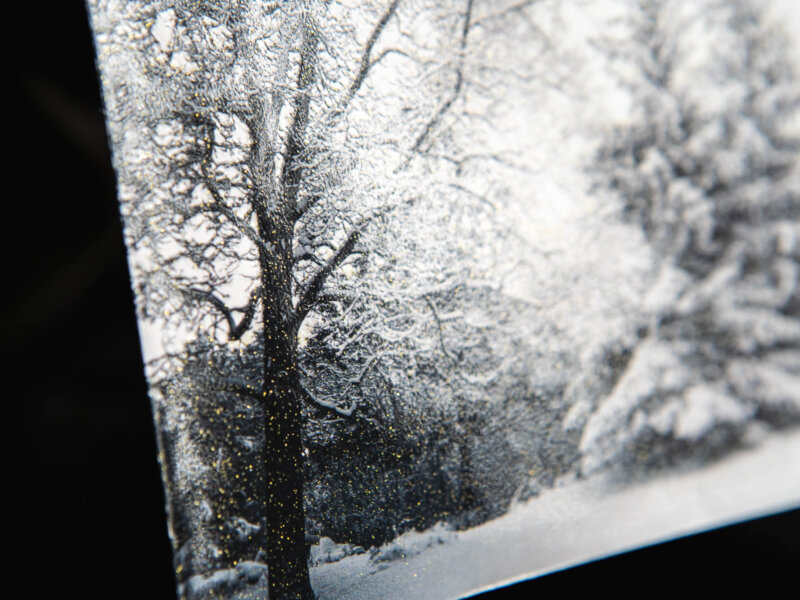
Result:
pixel 459 84
pixel 227 211
pixel 517 7
pixel 309 297
pixel 292 168
pixel 235 330
pixel 475 195
pixel 331 406
pixel 366 64
pixel 439 325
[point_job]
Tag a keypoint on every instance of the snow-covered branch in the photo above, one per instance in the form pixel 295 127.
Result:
pixel 235 330
pixel 366 63
pixel 311 293
pixel 434 121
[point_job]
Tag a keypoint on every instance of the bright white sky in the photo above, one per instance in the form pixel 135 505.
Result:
pixel 788 12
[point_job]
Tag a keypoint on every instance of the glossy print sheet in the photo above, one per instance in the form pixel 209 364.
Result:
pixel 438 295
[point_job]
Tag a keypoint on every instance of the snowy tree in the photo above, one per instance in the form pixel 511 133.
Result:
pixel 262 148
pixel 708 167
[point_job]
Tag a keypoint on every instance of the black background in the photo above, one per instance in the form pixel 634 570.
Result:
pixel 86 514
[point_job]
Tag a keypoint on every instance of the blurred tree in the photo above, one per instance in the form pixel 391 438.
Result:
pixel 708 167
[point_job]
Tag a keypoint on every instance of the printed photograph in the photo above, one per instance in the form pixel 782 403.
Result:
pixel 439 295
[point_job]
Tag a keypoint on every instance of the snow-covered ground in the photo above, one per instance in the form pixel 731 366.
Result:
pixel 574 523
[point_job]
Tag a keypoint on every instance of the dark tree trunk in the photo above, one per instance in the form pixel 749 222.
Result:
pixel 287 550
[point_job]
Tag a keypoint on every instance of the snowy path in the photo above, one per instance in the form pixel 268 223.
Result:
pixel 576 523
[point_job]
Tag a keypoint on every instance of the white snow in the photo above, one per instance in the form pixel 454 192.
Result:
pixel 707 405
pixel 326 551
pixel 572 524
pixel 164 28
pixel 247 580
